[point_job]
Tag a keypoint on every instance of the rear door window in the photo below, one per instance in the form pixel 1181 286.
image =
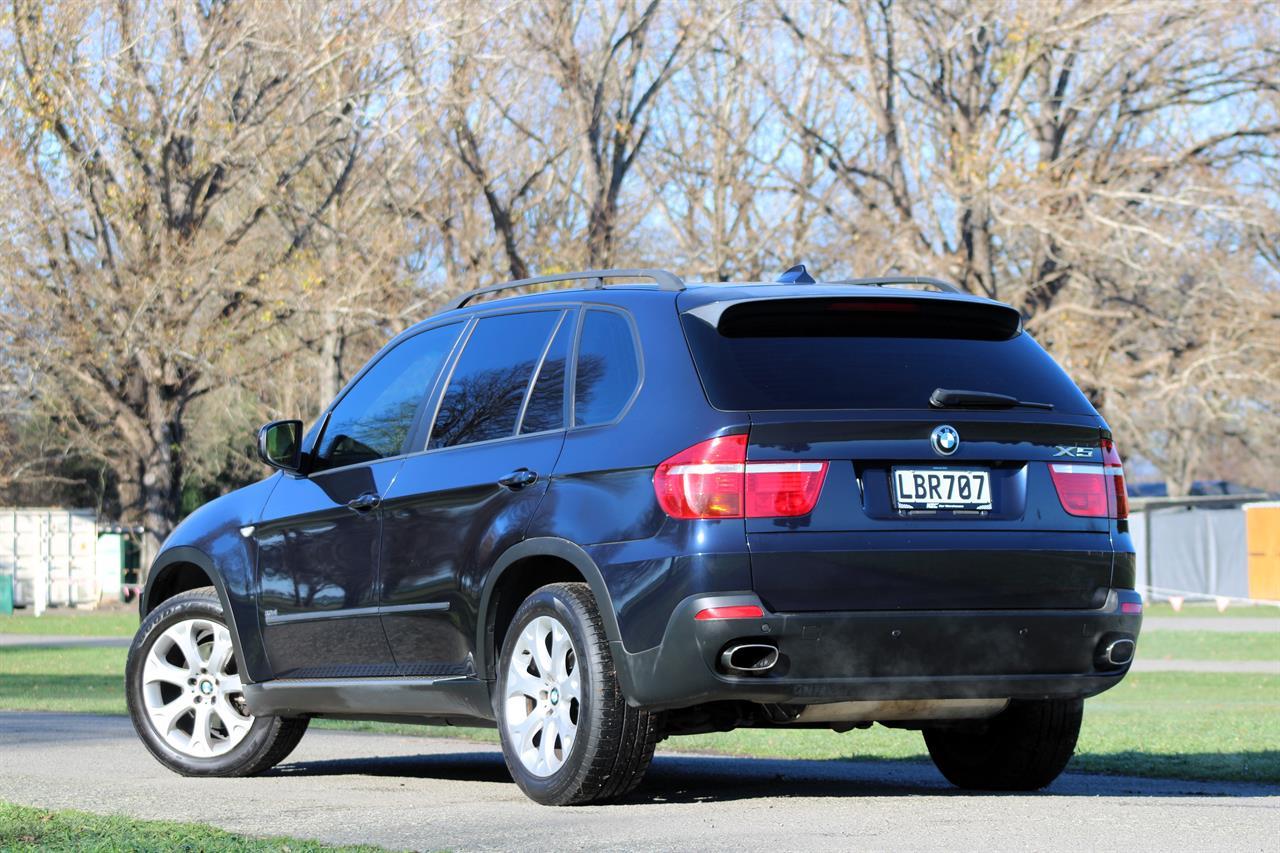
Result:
pixel 488 386
pixel 608 368
pixel 869 353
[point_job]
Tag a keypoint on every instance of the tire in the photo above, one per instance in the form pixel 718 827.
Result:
pixel 1024 748
pixel 233 743
pixel 610 744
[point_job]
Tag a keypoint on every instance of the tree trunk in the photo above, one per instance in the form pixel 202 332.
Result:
pixel 155 498
pixel 331 350
pixel 600 234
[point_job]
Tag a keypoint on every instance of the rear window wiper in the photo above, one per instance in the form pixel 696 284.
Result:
pixel 950 398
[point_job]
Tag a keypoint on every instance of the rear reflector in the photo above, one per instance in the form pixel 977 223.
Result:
pixel 739 611
pixel 713 479
pixel 1131 607
pixel 1095 491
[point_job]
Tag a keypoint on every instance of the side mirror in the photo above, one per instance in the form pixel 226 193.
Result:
pixel 280 445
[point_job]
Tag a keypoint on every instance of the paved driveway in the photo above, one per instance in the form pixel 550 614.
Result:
pixel 63 641
pixel 405 792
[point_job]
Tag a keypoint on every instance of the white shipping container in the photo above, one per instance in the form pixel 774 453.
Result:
pixel 52 555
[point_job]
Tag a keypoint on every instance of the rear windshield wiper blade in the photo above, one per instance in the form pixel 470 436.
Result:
pixel 950 398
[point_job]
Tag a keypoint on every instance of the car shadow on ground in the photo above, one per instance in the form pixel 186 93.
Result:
pixel 708 778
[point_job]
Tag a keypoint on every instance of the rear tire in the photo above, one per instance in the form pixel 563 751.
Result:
pixel 568 735
pixel 1023 748
pixel 185 694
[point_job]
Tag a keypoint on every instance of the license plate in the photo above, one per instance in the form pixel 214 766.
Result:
pixel 941 488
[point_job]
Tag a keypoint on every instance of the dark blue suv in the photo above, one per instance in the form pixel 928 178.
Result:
pixel 598 517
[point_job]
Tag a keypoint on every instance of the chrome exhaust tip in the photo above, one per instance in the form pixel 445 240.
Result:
pixel 748 658
pixel 1118 652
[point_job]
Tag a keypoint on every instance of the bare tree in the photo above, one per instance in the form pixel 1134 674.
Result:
pixel 611 62
pixel 1080 160
pixel 496 131
pixel 213 213
pixel 176 164
pixel 730 197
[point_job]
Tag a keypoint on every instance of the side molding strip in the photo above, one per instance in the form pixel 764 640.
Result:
pixel 271 617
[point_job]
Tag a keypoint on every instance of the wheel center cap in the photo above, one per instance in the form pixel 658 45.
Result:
pixel 206 687
pixel 555 695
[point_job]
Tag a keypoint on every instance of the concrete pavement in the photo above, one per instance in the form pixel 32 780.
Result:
pixel 63 641
pixel 419 793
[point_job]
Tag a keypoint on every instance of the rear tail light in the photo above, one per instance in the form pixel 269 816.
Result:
pixel 705 481
pixel 713 479
pixel 1095 491
pixel 1117 497
pixel 783 489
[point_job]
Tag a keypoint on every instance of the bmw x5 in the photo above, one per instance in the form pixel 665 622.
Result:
pixel 629 509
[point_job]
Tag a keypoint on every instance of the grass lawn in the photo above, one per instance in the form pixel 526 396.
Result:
pixel 1178 725
pixel 86 680
pixel 76 623
pixel 1208 645
pixel 26 828
pixel 1207 609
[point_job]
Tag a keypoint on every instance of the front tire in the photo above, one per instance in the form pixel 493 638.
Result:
pixel 186 697
pixel 568 735
pixel 1023 748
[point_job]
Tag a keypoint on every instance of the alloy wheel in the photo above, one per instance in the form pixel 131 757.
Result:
pixel 192 691
pixel 543 696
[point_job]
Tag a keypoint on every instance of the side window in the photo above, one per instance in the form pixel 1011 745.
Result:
pixel 545 410
pixel 374 418
pixel 608 368
pixel 488 385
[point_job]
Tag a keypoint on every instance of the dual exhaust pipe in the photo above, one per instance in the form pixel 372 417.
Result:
pixel 759 658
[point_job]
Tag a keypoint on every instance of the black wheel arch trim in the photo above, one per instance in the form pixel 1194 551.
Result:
pixel 186 555
pixel 541 546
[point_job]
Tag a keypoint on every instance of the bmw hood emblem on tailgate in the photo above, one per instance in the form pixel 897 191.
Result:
pixel 945 440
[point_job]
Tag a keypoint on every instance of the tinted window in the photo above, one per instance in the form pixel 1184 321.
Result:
pixel 546 404
pixel 608 368
pixel 488 385
pixel 373 420
pixel 845 355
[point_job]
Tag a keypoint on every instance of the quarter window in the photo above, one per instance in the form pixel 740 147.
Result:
pixel 545 410
pixel 489 383
pixel 608 368
pixel 373 419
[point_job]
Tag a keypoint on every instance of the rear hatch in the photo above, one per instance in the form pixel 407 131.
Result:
pixel 943 505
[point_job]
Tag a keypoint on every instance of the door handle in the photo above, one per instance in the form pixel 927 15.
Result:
pixel 365 502
pixel 518 479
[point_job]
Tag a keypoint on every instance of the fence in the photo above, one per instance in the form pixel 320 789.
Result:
pixel 1207 547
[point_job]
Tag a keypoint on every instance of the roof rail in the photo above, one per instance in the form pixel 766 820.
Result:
pixel 664 279
pixel 891 280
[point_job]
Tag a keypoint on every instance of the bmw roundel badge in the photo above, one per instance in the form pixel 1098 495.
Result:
pixel 945 440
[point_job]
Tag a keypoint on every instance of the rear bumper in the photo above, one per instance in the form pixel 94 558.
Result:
pixel 842 656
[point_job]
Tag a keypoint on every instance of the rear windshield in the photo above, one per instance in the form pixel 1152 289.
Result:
pixel 869 353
